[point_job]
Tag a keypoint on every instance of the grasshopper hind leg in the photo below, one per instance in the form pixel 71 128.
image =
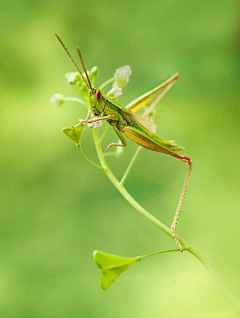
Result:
pixel 180 202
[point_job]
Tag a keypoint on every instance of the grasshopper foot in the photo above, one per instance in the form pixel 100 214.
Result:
pixel 108 147
pixel 176 238
pixel 114 145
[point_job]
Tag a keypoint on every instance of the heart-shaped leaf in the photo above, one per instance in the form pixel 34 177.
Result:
pixel 112 266
pixel 75 133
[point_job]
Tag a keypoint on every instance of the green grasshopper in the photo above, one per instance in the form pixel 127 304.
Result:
pixel 125 121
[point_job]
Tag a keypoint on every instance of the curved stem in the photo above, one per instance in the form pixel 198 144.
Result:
pixel 74 99
pixel 88 160
pixel 135 204
pixel 157 253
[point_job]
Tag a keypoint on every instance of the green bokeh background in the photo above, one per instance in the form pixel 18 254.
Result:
pixel 56 209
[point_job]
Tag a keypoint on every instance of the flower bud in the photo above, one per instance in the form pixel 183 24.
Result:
pixel 114 92
pixel 73 77
pixel 121 76
pixel 57 99
pixel 93 74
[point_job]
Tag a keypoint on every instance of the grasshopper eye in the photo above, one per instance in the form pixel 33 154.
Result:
pixel 98 95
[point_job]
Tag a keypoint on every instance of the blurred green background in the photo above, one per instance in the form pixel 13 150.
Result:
pixel 56 209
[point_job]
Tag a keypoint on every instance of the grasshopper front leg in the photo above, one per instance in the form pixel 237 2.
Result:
pixel 96 119
pixel 123 144
pixel 151 143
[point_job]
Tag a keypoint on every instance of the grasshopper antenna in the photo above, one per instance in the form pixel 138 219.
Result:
pixel 87 83
pixel 80 55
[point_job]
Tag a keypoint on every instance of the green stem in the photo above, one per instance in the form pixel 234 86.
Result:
pixel 106 83
pixel 84 102
pixel 104 133
pixel 130 166
pixel 134 203
pixel 74 99
pixel 110 154
pixel 156 253
pixel 88 160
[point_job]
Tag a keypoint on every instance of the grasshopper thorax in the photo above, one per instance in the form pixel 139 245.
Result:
pixel 97 101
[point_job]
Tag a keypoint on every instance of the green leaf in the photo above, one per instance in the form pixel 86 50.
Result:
pixel 112 266
pixel 75 133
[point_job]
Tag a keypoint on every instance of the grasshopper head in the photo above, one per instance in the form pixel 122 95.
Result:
pixel 97 101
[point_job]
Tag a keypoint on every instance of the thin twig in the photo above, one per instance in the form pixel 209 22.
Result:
pixel 130 166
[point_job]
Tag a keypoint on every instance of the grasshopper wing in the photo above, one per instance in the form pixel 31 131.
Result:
pixel 138 103
pixel 144 122
pixel 134 117
pixel 152 142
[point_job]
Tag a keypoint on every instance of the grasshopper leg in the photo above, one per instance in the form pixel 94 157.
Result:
pixel 180 202
pixel 87 118
pixel 123 144
pixel 96 119
pixel 143 141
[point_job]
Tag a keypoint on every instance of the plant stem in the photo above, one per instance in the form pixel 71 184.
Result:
pixel 88 160
pixel 134 203
pixel 74 99
pixel 110 154
pixel 104 133
pixel 130 166
pixel 156 253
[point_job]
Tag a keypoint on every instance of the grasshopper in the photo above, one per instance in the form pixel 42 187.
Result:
pixel 125 121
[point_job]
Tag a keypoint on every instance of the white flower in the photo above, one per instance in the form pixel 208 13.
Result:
pixel 121 76
pixel 57 99
pixel 72 77
pixel 115 92
pixel 119 150
pixel 95 124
